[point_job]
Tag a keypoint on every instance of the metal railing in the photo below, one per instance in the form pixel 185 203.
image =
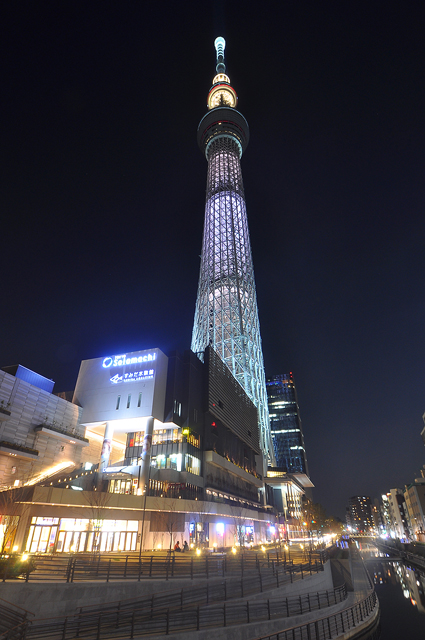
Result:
pixel 77 568
pixel 229 589
pixel 331 626
pixel 13 620
pixel 168 615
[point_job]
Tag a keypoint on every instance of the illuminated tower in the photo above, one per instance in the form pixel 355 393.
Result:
pixel 226 315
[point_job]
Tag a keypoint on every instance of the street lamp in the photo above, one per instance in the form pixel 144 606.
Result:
pixel 144 511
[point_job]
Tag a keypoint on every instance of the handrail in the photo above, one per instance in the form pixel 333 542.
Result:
pixel 19 619
pixel 16 633
pixel 313 631
pixel 76 568
pixel 123 623
pixel 218 592
pixel 12 604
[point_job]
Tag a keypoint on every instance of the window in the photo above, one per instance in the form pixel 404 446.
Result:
pixel 177 408
pixel 118 403
pixel 192 464
pixel 128 401
pixel 139 402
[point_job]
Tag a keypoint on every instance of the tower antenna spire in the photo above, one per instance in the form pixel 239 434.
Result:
pixel 220 45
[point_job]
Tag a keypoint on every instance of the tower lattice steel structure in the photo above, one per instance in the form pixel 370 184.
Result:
pixel 226 315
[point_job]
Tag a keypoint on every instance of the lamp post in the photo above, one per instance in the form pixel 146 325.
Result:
pixel 144 511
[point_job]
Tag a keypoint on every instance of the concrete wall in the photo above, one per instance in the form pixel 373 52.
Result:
pixel 310 584
pixel 60 599
pixel 341 572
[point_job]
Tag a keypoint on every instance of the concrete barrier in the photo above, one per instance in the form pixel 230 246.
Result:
pixel 48 600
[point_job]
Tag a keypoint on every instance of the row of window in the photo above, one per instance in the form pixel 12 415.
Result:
pixel 159 436
pixel 139 401
pixel 162 436
pixel 177 461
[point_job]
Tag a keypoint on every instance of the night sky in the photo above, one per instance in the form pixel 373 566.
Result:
pixel 103 191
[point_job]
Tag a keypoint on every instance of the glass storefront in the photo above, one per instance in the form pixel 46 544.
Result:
pixel 199 533
pixel 124 486
pixel 177 461
pixel 159 436
pixel 71 535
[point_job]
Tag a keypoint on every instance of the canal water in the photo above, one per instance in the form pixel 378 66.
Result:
pixel 400 589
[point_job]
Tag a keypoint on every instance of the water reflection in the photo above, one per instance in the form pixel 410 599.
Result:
pixel 410 579
pixel 401 592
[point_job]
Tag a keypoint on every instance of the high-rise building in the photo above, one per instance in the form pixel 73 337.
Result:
pixel 226 315
pixel 285 424
pixel 361 518
pixel 398 519
pixel 414 495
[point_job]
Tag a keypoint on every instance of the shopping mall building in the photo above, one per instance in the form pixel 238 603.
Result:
pixel 150 449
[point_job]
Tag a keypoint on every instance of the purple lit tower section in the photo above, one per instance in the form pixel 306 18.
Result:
pixel 226 315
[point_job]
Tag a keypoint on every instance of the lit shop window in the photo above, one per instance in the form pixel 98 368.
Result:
pixel 166 435
pixel 171 461
pixel 160 436
pixel 123 486
pixel 192 465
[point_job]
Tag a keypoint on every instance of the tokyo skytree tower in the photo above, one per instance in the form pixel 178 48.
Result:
pixel 226 315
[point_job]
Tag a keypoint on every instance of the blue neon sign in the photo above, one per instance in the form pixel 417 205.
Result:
pixel 123 359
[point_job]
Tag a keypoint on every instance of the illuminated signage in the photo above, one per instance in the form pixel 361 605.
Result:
pixel 123 359
pixel 134 376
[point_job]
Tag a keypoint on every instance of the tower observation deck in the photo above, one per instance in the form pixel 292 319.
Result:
pixel 226 315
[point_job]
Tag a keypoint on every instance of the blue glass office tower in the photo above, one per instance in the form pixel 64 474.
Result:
pixel 285 424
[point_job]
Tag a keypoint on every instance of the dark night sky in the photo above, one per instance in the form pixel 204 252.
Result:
pixel 103 192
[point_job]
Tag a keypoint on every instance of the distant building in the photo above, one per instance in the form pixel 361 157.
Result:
pixel 385 514
pixel 414 495
pixel 361 517
pixel 397 514
pixel 348 521
pixel 377 515
pixel 285 424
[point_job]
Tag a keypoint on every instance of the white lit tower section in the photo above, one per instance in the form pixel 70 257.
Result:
pixel 226 315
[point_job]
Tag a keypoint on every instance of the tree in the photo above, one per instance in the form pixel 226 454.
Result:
pixel 168 519
pixel 314 515
pixel 237 511
pixel 97 498
pixel 333 525
pixel 13 505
